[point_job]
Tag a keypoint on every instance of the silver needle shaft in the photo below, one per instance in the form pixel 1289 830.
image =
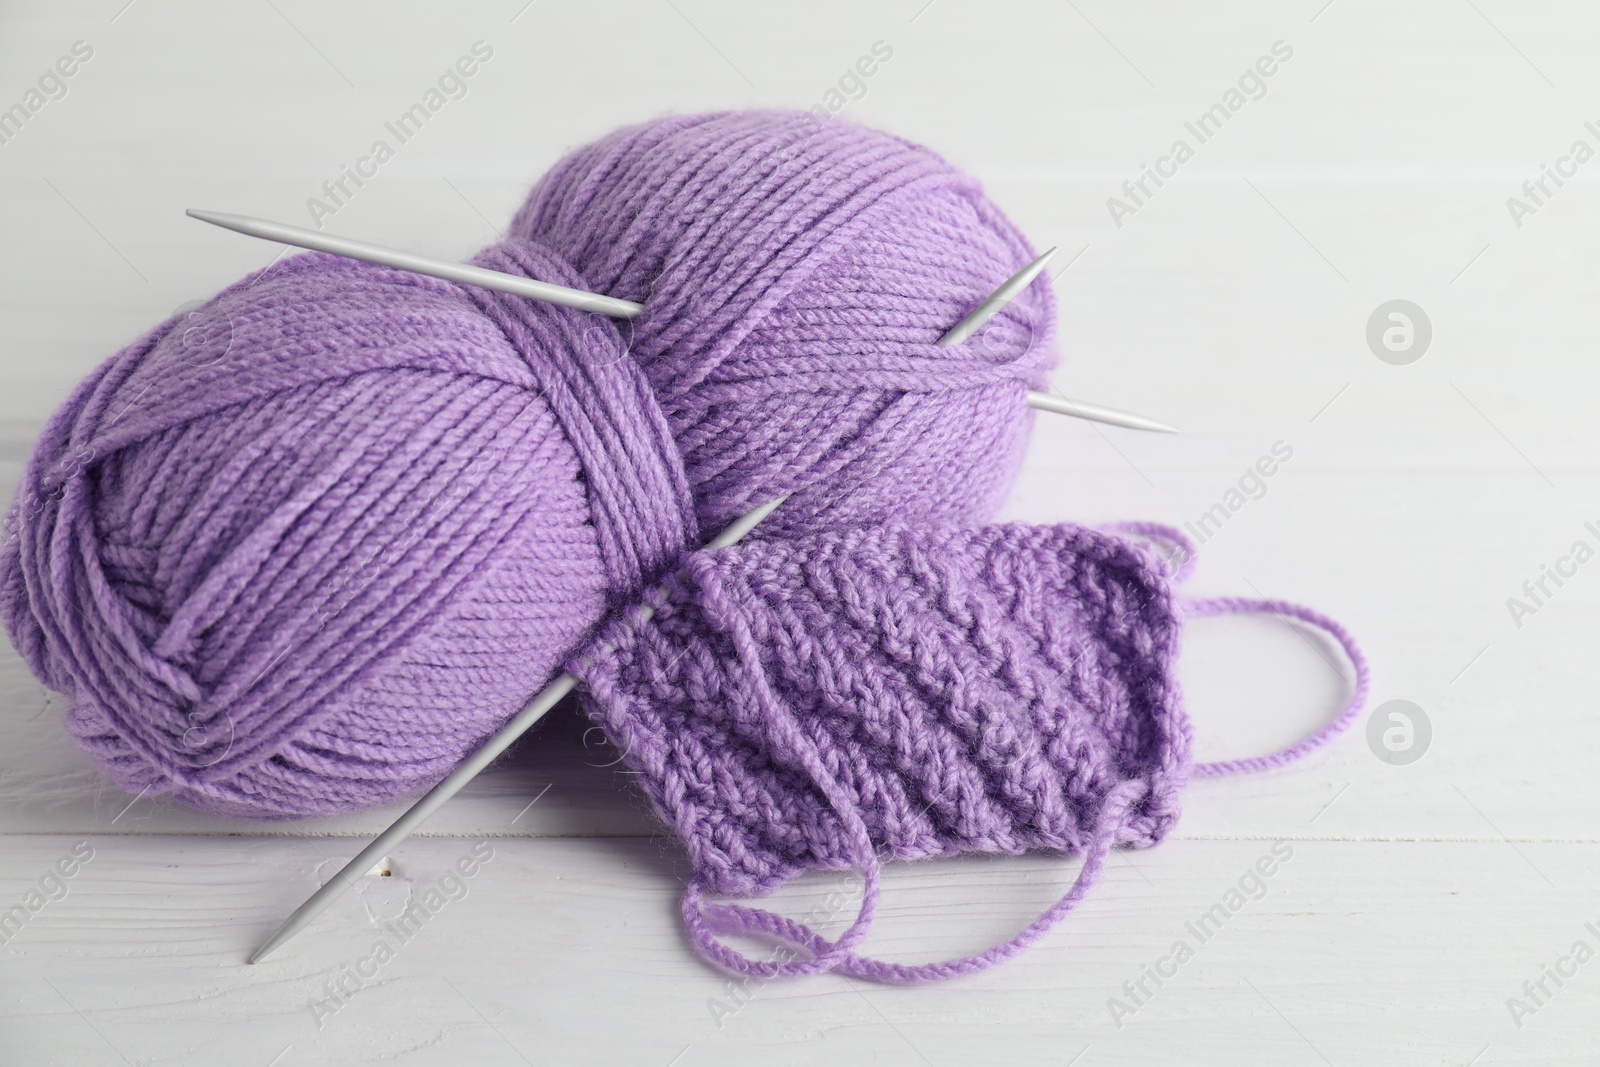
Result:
pixel 436 268
pixel 401 828
pixel 466 274
pixel 1078 409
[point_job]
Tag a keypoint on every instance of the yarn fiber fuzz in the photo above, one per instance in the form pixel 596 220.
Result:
pixel 299 552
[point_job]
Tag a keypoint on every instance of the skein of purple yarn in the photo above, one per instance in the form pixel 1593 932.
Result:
pixel 795 275
pixel 299 552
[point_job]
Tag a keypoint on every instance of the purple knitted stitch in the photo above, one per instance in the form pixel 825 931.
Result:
pixel 898 691
pixel 300 552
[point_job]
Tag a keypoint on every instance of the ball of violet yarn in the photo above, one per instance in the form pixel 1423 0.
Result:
pixel 299 551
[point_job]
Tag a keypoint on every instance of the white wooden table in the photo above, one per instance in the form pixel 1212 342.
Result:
pixel 1233 301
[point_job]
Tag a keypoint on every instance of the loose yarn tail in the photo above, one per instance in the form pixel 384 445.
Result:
pixel 1293 613
pixel 1183 555
pixel 705 922
pixel 790 740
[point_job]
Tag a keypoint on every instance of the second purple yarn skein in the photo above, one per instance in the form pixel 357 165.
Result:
pixel 300 557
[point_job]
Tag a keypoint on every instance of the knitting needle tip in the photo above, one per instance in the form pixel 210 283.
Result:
pixel 270 946
pixel 469 769
pixel 1078 409
pixel 1082 409
pixel 462 273
pixel 740 527
pixel 995 301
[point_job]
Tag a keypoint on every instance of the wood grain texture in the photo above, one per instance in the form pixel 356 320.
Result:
pixel 1234 302
pixel 569 951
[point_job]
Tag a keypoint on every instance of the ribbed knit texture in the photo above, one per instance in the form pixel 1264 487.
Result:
pixel 301 551
pixel 964 690
pixel 904 692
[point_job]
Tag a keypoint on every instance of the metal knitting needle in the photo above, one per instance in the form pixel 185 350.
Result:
pixel 469 769
pixel 1079 409
pixel 627 309
pixel 436 268
pixel 1082 409
pixel 992 303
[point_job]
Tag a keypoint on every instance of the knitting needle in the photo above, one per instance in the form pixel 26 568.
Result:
pixel 627 309
pixel 991 304
pixel 436 268
pixel 1080 409
pixel 469 769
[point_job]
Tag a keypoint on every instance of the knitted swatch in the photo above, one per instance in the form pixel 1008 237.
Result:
pixel 905 692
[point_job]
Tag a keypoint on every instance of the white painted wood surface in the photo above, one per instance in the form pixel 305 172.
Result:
pixel 1377 166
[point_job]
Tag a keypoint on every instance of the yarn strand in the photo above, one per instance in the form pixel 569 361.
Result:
pixel 737 919
pixel 1293 613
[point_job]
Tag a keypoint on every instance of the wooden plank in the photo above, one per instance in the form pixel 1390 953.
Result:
pixel 570 951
